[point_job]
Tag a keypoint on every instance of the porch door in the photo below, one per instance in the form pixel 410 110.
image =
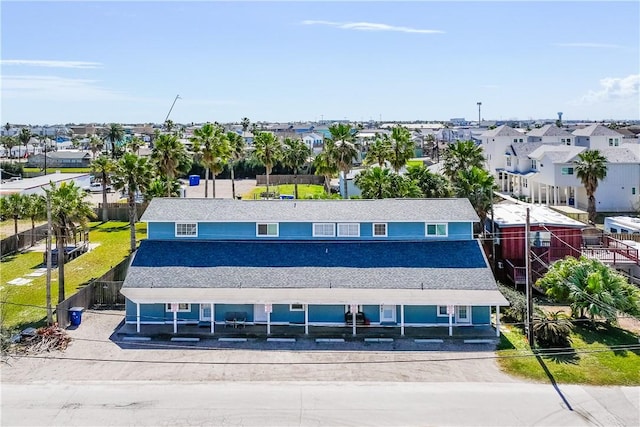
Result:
pixel 205 312
pixel 259 315
pixel 463 314
pixel 387 313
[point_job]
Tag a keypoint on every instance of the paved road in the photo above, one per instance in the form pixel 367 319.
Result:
pixel 69 403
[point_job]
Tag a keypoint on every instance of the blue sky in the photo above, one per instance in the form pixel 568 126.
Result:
pixel 125 62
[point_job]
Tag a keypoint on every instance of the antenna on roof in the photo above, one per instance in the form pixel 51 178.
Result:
pixel 422 285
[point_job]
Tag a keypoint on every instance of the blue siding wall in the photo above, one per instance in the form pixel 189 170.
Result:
pixel 371 313
pixel 221 309
pixel 281 313
pixel 481 315
pixel 326 313
pixel 156 313
pixel 303 231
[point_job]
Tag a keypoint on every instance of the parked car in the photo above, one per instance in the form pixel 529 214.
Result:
pixel 96 187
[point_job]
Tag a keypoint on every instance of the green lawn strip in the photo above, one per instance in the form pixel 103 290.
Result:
pixel 590 361
pixel 112 239
pixel 415 162
pixel 305 191
pixel 62 170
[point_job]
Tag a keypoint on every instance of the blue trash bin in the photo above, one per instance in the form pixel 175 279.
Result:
pixel 194 180
pixel 75 315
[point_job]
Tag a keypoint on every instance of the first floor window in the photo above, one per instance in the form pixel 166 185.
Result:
pixel 296 307
pixel 436 229
pixel 268 229
pixel 380 230
pixel 182 307
pixel 186 229
pixel 442 311
pixel 324 229
pixel 349 230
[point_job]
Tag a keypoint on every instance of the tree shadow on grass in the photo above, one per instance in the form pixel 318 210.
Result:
pixel 505 343
pixel 567 356
pixel 8 258
pixel 609 335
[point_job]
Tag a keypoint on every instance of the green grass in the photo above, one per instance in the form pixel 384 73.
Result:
pixel 593 358
pixel 414 162
pixel 63 170
pixel 112 239
pixel 305 191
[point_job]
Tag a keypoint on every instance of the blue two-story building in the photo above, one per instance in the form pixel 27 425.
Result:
pixel 393 262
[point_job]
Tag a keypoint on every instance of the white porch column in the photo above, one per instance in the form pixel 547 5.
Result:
pixel 556 194
pixel 450 324
pixel 540 192
pixel 401 320
pixel 353 320
pixel 575 197
pixel 269 322
pixel 306 319
pixel 566 196
pixel 503 181
pixel 137 317
pixel 175 321
pixel 546 193
pixel 213 318
pixel 498 321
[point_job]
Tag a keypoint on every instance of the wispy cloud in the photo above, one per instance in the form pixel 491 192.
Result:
pixel 613 89
pixel 589 45
pixel 371 26
pixel 51 63
pixel 53 88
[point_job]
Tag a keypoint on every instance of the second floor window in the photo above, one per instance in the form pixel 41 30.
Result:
pixel 436 230
pixel 567 171
pixel 508 160
pixel 534 165
pixel 267 229
pixel 324 229
pixel 186 229
pixel 380 230
pixel 349 230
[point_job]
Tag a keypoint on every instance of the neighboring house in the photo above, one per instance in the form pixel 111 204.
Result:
pixel 550 134
pixel 314 141
pixel 61 159
pixel 622 225
pixel 495 143
pixel 398 263
pixel 38 184
pixel 597 137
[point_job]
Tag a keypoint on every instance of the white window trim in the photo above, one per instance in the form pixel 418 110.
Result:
pixel 167 308
pixel 323 235
pixel 185 235
pixel 348 224
pixel 268 224
pixel 426 229
pixel 386 229
pixel 438 311
pixel 296 309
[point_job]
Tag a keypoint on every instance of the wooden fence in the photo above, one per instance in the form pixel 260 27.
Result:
pixel 103 292
pixel 289 179
pixel 12 244
pixel 119 211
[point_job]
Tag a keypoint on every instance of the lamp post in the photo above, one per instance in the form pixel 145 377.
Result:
pixel 479 116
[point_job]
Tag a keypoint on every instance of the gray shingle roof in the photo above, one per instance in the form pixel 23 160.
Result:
pixel 524 148
pixel 619 155
pixel 549 130
pixel 596 130
pixel 502 130
pixel 386 210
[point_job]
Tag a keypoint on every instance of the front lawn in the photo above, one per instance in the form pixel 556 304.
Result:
pixel 305 191
pixel 600 355
pixel 112 246
pixel 62 170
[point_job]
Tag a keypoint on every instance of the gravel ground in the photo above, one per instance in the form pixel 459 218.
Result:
pixel 93 355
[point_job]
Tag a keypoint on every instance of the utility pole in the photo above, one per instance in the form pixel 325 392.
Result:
pixel 48 249
pixel 479 116
pixel 529 290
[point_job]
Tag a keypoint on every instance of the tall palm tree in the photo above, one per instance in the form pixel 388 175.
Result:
pixel 245 123
pixel 215 151
pixel 433 144
pixel 133 175
pixel 35 208
pixel 296 155
pixel 379 151
pixel 375 183
pixel 24 137
pixel 325 165
pixel 9 142
pixel 68 208
pixel 102 168
pixel 237 148
pixel 591 167
pixel 344 150
pixel 432 185
pixel 95 145
pixel 168 153
pixel 13 206
pixel 462 155
pixel 267 151
pixel 134 145
pixel 477 185
pixel 402 147
pixel 114 134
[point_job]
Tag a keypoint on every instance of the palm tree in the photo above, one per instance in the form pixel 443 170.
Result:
pixel 402 147
pixel 461 156
pixel 95 145
pixel 296 155
pixel 168 153
pixel 114 134
pixel 344 150
pixel 591 167
pixel 215 151
pixel 24 137
pixel 35 208
pixel 375 183
pixel 13 206
pixel 102 168
pixel 267 151
pixel 477 185
pixel 432 185
pixel 135 144
pixel 325 165
pixel 237 148
pixel 9 142
pixel 433 144
pixel 158 188
pixel 68 207
pixel 245 123
pixel 379 152
pixel 169 125
pixel 133 175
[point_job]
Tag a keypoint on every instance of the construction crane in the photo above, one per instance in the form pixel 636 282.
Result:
pixel 174 103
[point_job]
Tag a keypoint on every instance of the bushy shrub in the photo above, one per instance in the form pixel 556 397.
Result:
pixel 552 329
pixel 517 310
